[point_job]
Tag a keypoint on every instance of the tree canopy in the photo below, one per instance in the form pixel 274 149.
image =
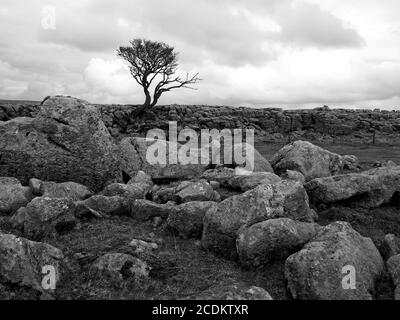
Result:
pixel 152 61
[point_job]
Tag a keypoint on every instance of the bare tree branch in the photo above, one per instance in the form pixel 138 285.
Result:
pixel 148 60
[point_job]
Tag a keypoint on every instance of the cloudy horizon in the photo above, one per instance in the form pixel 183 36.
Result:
pixel 260 53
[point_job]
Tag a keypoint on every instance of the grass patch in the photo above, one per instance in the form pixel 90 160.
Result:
pixel 180 268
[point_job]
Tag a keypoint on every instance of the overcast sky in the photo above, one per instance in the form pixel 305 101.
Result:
pixel 283 53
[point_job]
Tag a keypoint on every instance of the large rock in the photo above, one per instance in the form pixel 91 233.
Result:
pixel 285 199
pixel 384 163
pixel 22 261
pixel 187 219
pixel 241 155
pixel 131 191
pixel 310 160
pixel 140 246
pixel 294 175
pixel 390 246
pixel 368 189
pixel 350 162
pixel 318 271
pixel 120 266
pixel 146 210
pixel 233 291
pixel 201 190
pixel 70 190
pixel 12 195
pixel 45 216
pixel 35 184
pixel 273 239
pixel 164 194
pixel 249 180
pixel 100 206
pixel 67 141
pixel 138 154
pixel 393 266
pixel 141 178
pixel 220 174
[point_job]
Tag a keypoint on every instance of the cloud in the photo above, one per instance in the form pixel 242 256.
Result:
pixel 221 31
pixel 109 79
pixel 307 25
pixel 112 75
pixel 208 30
pixel 10 85
pixel 85 31
pixel 263 53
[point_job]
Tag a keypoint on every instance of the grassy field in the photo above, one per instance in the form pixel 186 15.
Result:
pixel 180 268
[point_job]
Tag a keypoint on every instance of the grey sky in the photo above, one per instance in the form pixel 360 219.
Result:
pixel 286 53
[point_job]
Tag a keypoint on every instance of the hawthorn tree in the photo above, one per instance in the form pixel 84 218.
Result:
pixel 156 62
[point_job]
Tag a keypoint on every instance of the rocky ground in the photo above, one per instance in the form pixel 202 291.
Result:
pixel 114 226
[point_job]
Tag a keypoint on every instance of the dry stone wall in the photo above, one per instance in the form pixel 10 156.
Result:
pixel 270 124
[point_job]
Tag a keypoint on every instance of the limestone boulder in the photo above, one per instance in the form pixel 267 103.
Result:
pixel 319 270
pixel 308 159
pixel 186 219
pixel 220 174
pixel 201 190
pixel 369 189
pixel 141 178
pixel 35 184
pixel 146 210
pixel 13 195
pixel 350 162
pixel 140 154
pixel 131 192
pixel 242 155
pixel 44 217
pixel 120 266
pixel 249 180
pixel 285 199
pixel 140 246
pixel 390 246
pixel 66 141
pixel 274 239
pixel 393 267
pixel 70 190
pixel 294 175
pixel 100 206
pixel 164 194
pixel 22 261
pixel 232 291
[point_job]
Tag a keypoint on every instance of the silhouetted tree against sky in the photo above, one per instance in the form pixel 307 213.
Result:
pixel 157 62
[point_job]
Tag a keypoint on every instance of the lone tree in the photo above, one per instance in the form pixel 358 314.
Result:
pixel 155 61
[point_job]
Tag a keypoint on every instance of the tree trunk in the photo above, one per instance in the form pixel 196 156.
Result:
pixel 157 96
pixel 146 105
pixel 147 102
